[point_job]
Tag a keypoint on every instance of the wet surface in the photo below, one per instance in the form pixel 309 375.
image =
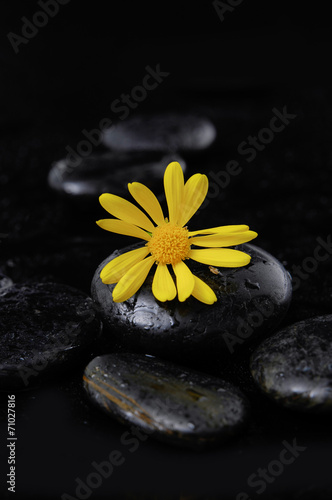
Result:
pixel 43 328
pixel 252 301
pixel 294 366
pixel 63 82
pixel 166 401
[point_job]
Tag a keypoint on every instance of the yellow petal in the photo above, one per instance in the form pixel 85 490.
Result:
pixel 114 270
pixel 222 257
pixel 195 191
pixel 146 198
pixel 121 227
pixel 217 240
pixel 132 280
pixel 126 211
pixel 203 292
pixel 239 228
pixel 184 280
pixel 163 287
pixel 174 187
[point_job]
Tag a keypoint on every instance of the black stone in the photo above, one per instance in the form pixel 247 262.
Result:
pixel 165 132
pixel 252 300
pixel 109 172
pixel 167 401
pixel 294 366
pixel 44 327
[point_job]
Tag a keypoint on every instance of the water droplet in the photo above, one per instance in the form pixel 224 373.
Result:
pixel 306 369
pixel 251 285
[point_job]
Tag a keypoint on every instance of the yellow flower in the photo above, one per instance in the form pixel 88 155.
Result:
pixel 169 241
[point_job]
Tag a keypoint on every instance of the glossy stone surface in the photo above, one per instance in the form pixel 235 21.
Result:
pixel 43 328
pixel 252 300
pixel 164 132
pixel 284 194
pixel 109 172
pixel 294 366
pixel 167 401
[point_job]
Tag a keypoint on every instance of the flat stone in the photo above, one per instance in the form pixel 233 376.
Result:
pixel 252 300
pixel 44 327
pixel 109 172
pixel 294 366
pixel 165 132
pixel 164 400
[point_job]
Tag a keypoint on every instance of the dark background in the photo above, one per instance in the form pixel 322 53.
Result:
pixel 264 55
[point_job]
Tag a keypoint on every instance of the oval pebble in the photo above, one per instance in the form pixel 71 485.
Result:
pixel 165 132
pixel 109 172
pixel 167 401
pixel 44 327
pixel 294 366
pixel 252 300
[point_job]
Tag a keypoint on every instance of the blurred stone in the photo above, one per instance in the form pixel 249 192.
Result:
pixel 109 172
pixel 165 132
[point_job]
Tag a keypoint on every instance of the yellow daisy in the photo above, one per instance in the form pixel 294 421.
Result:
pixel 168 240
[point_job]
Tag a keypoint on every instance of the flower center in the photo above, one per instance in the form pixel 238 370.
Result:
pixel 169 243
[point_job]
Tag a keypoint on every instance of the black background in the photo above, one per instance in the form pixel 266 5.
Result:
pixel 264 55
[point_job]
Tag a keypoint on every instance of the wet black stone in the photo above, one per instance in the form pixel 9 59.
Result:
pixel 294 366
pixel 252 300
pixel 109 172
pixel 44 327
pixel 167 401
pixel 165 132
pixel 5 281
